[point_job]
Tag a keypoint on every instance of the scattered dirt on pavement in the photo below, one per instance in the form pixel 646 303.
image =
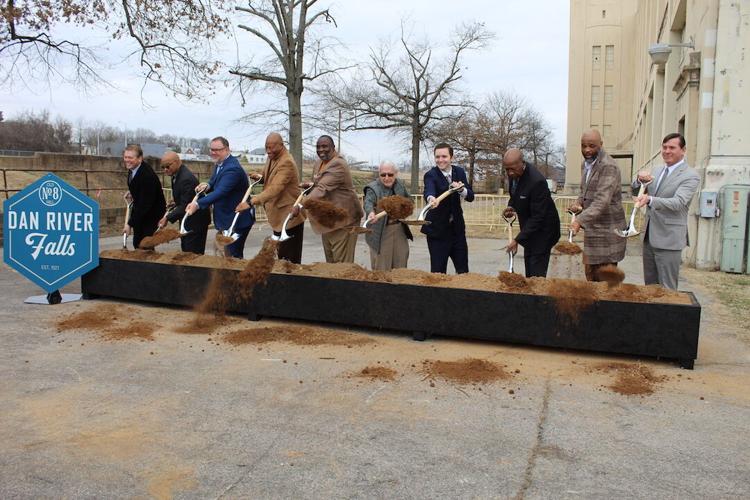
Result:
pixel 568 248
pixel 611 275
pixel 512 280
pixel 324 212
pixel 163 236
pixel 465 371
pixel 375 372
pixel 134 330
pixel 96 318
pixel 632 379
pixel 299 335
pixel 397 207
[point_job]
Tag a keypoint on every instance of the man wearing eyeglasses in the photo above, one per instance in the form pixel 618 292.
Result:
pixel 388 241
pixel 225 189
pixel 184 183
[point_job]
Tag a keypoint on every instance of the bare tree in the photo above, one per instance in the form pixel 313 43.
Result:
pixel 172 40
pixel 405 92
pixel 36 132
pixel 283 26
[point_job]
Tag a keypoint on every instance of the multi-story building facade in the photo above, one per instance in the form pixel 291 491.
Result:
pixel 640 69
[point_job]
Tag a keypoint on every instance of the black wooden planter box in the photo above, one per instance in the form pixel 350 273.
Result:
pixel 641 329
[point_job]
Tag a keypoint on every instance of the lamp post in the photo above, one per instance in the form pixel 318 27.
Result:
pixel 660 52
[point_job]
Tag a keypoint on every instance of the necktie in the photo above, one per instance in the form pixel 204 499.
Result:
pixel 448 177
pixel 130 176
pixel 662 177
pixel 513 185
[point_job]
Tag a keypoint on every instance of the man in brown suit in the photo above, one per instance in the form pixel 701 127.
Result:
pixel 599 207
pixel 280 190
pixel 333 182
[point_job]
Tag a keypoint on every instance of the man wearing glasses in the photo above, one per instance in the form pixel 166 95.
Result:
pixel 388 241
pixel 225 189
pixel 184 183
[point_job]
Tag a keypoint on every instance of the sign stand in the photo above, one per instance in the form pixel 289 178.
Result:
pixel 53 298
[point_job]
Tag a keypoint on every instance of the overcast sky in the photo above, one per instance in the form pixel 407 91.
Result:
pixel 529 56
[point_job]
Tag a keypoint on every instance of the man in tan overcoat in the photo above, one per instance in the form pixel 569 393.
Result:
pixel 599 207
pixel 333 183
pixel 280 190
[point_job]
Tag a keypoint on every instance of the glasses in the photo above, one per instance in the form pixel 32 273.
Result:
pixel 216 150
pixel 387 175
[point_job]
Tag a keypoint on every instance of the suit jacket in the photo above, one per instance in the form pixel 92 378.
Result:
pixel 183 192
pixel 537 214
pixel 280 190
pixel 148 198
pixel 335 184
pixel 603 213
pixel 666 215
pixel 450 208
pixel 227 186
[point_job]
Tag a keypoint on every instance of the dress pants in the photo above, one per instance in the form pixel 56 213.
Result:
pixel 195 240
pixel 454 247
pixel 536 264
pixel 140 232
pixel 661 266
pixel 394 249
pixel 339 245
pixel 237 249
pixel 291 249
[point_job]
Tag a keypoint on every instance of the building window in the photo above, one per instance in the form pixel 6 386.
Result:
pixel 609 94
pixel 596 56
pixel 595 97
pixel 609 55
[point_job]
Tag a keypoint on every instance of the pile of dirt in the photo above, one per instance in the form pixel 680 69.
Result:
pixel 632 379
pixel 106 320
pixel 162 236
pixel 568 248
pixel 203 323
pixel 298 335
pixel 374 372
pixel 258 268
pixel 571 298
pixel 512 280
pixel 184 257
pixel 397 207
pixel 465 371
pixel 611 275
pixel 324 212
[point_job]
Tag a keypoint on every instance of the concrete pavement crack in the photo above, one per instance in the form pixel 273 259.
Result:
pixel 531 462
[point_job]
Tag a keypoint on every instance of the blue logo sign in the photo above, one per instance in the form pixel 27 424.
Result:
pixel 51 233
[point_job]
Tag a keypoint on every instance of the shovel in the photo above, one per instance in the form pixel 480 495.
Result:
pixel 297 203
pixel 125 235
pixel 631 230
pixel 440 198
pixel 184 231
pixel 229 233
pixel 510 221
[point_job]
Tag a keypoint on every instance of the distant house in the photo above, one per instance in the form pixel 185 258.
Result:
pixel 256 157
pixel 116 149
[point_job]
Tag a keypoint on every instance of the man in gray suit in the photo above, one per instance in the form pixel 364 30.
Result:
pixel 667 200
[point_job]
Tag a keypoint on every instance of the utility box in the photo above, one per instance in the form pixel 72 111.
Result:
pixel 708 201
pixel 734 237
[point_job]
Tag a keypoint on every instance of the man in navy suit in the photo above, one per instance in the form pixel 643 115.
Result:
pixel 226 188
pixel 531 200
pixel 446 233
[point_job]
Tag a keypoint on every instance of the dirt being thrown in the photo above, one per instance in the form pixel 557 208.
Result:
pixel 298 335
pixel 465 371
pixel 326 213
pixel 568 248
pixel 610 274
pixel 376 372
pixel 571 298
pixel 163 236
pixel 397 207
pixel 632 379
pixel 258 268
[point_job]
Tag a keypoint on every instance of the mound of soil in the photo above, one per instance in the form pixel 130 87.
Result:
pixel 163 236
pixel 568 248
pixel 375 372
pixel 96 319
pixel 611 275
pixel 632 379
pixel 133 330
pixel 512 280
pixel 465 371
pixel 326 213
pixel 299 335
pixel 397 207
pixel 183 257
pixel 107 321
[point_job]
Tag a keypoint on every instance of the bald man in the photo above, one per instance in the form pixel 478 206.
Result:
pixel 599 207
pixel 280 190
pixel 531 200
pixel 183 191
